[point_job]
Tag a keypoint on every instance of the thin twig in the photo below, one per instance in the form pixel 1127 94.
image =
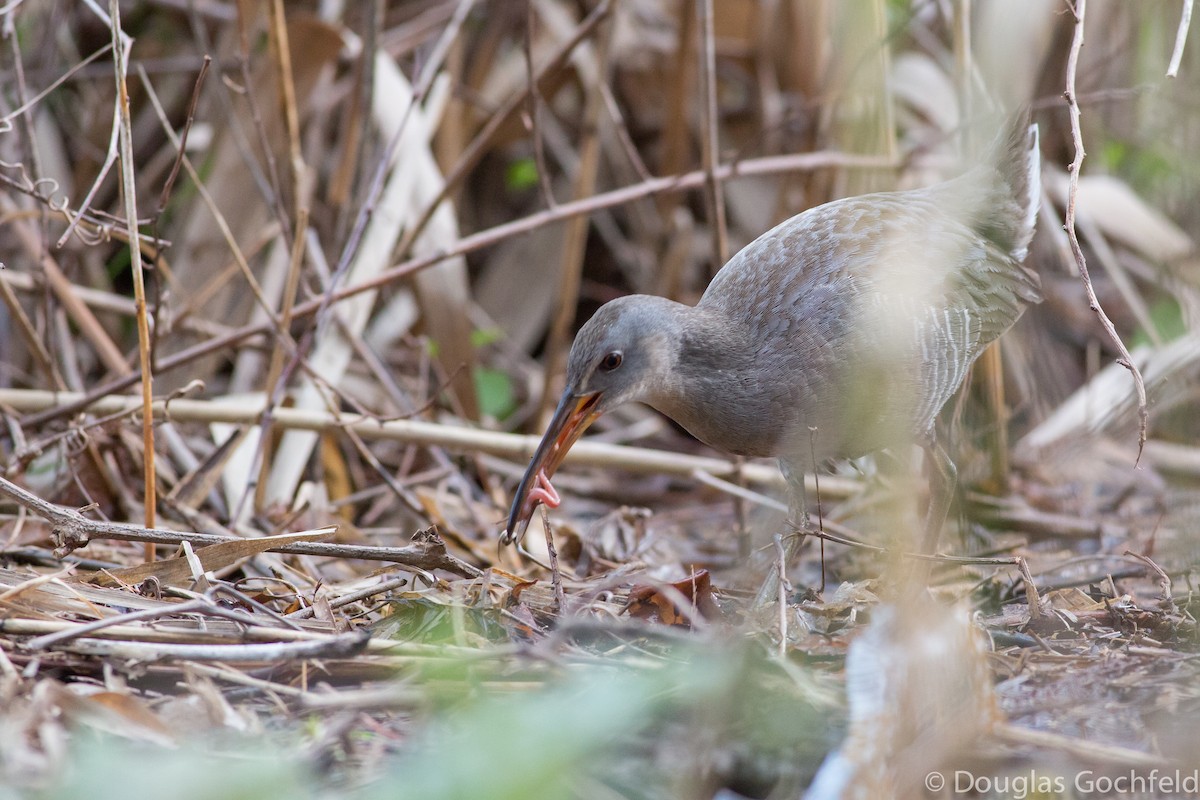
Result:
pixel 1181 34
pixel 169 184
pixel 1033 599
pixel 932 557
pixel 354 597
pixel 233 113
pixel 560 599
pixel 99 225
pixel 1164 580
pixel 803 523
pixel 798 162
pixel 344 645
pixel 676 138
pixel 22 455
pixel 785 588
pixel 622 131
pixel 1126 360
pixel 164 196
pixel 406 497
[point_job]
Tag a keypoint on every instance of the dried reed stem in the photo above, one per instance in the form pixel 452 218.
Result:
pixel 711 151
pixel 120 44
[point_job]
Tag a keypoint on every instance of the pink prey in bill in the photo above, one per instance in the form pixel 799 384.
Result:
pixel 544 492
pixel 572 417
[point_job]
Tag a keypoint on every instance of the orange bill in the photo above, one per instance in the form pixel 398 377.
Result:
pixel 572 417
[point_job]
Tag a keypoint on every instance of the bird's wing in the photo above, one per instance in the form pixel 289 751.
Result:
pixel 873 281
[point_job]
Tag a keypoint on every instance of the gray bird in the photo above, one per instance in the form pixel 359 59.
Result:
pixel 828 336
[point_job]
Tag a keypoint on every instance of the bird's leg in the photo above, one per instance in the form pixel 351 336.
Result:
pixel 797 523
pixel 793 474
pixel 943 479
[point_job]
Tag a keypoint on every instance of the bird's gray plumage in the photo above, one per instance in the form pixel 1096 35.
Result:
pixel 857 316
pixel 834 332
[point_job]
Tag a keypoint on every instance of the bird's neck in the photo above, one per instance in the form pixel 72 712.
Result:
pixel 712 346
pixel 711 357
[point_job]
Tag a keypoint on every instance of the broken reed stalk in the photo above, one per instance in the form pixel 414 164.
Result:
pixel 417 432
pixel 120 44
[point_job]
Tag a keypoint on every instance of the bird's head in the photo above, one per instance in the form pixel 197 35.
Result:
pixel 621 355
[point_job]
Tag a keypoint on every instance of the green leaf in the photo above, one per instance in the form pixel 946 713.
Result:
pixel 482 337
pixel 493 389
pixel 521 174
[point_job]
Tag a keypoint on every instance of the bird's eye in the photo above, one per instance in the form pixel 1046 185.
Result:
pixel 611 361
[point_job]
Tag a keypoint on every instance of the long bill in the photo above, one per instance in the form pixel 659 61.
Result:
pixel 572 417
